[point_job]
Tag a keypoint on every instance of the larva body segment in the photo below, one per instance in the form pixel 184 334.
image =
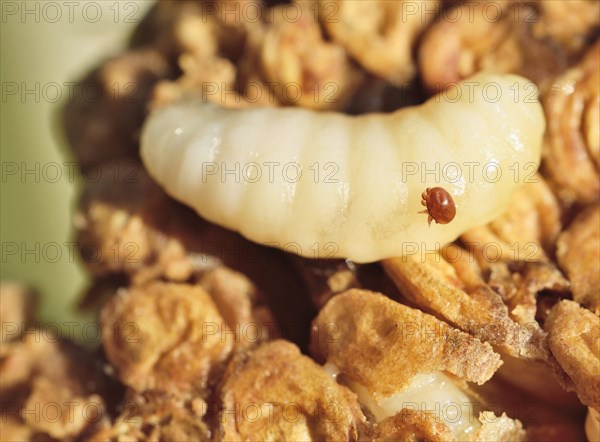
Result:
pixel 324 184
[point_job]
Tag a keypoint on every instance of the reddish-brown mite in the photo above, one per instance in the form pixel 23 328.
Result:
pixel 440 205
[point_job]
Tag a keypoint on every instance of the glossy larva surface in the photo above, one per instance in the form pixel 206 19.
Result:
pixel 324 184
pixel 433 392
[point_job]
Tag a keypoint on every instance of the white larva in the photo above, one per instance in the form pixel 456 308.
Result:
pixel 329 185
pixel 434 392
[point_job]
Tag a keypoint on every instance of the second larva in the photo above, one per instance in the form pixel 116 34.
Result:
pixel 329 185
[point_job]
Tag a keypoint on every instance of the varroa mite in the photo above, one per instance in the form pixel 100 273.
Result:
pixel 440 205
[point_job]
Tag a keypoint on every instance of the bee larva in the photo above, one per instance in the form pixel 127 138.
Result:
pixel 329 185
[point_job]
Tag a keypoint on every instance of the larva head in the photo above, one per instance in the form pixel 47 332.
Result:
pixel 440 205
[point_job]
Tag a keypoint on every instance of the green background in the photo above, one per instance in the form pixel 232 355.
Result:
pixel 36 209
